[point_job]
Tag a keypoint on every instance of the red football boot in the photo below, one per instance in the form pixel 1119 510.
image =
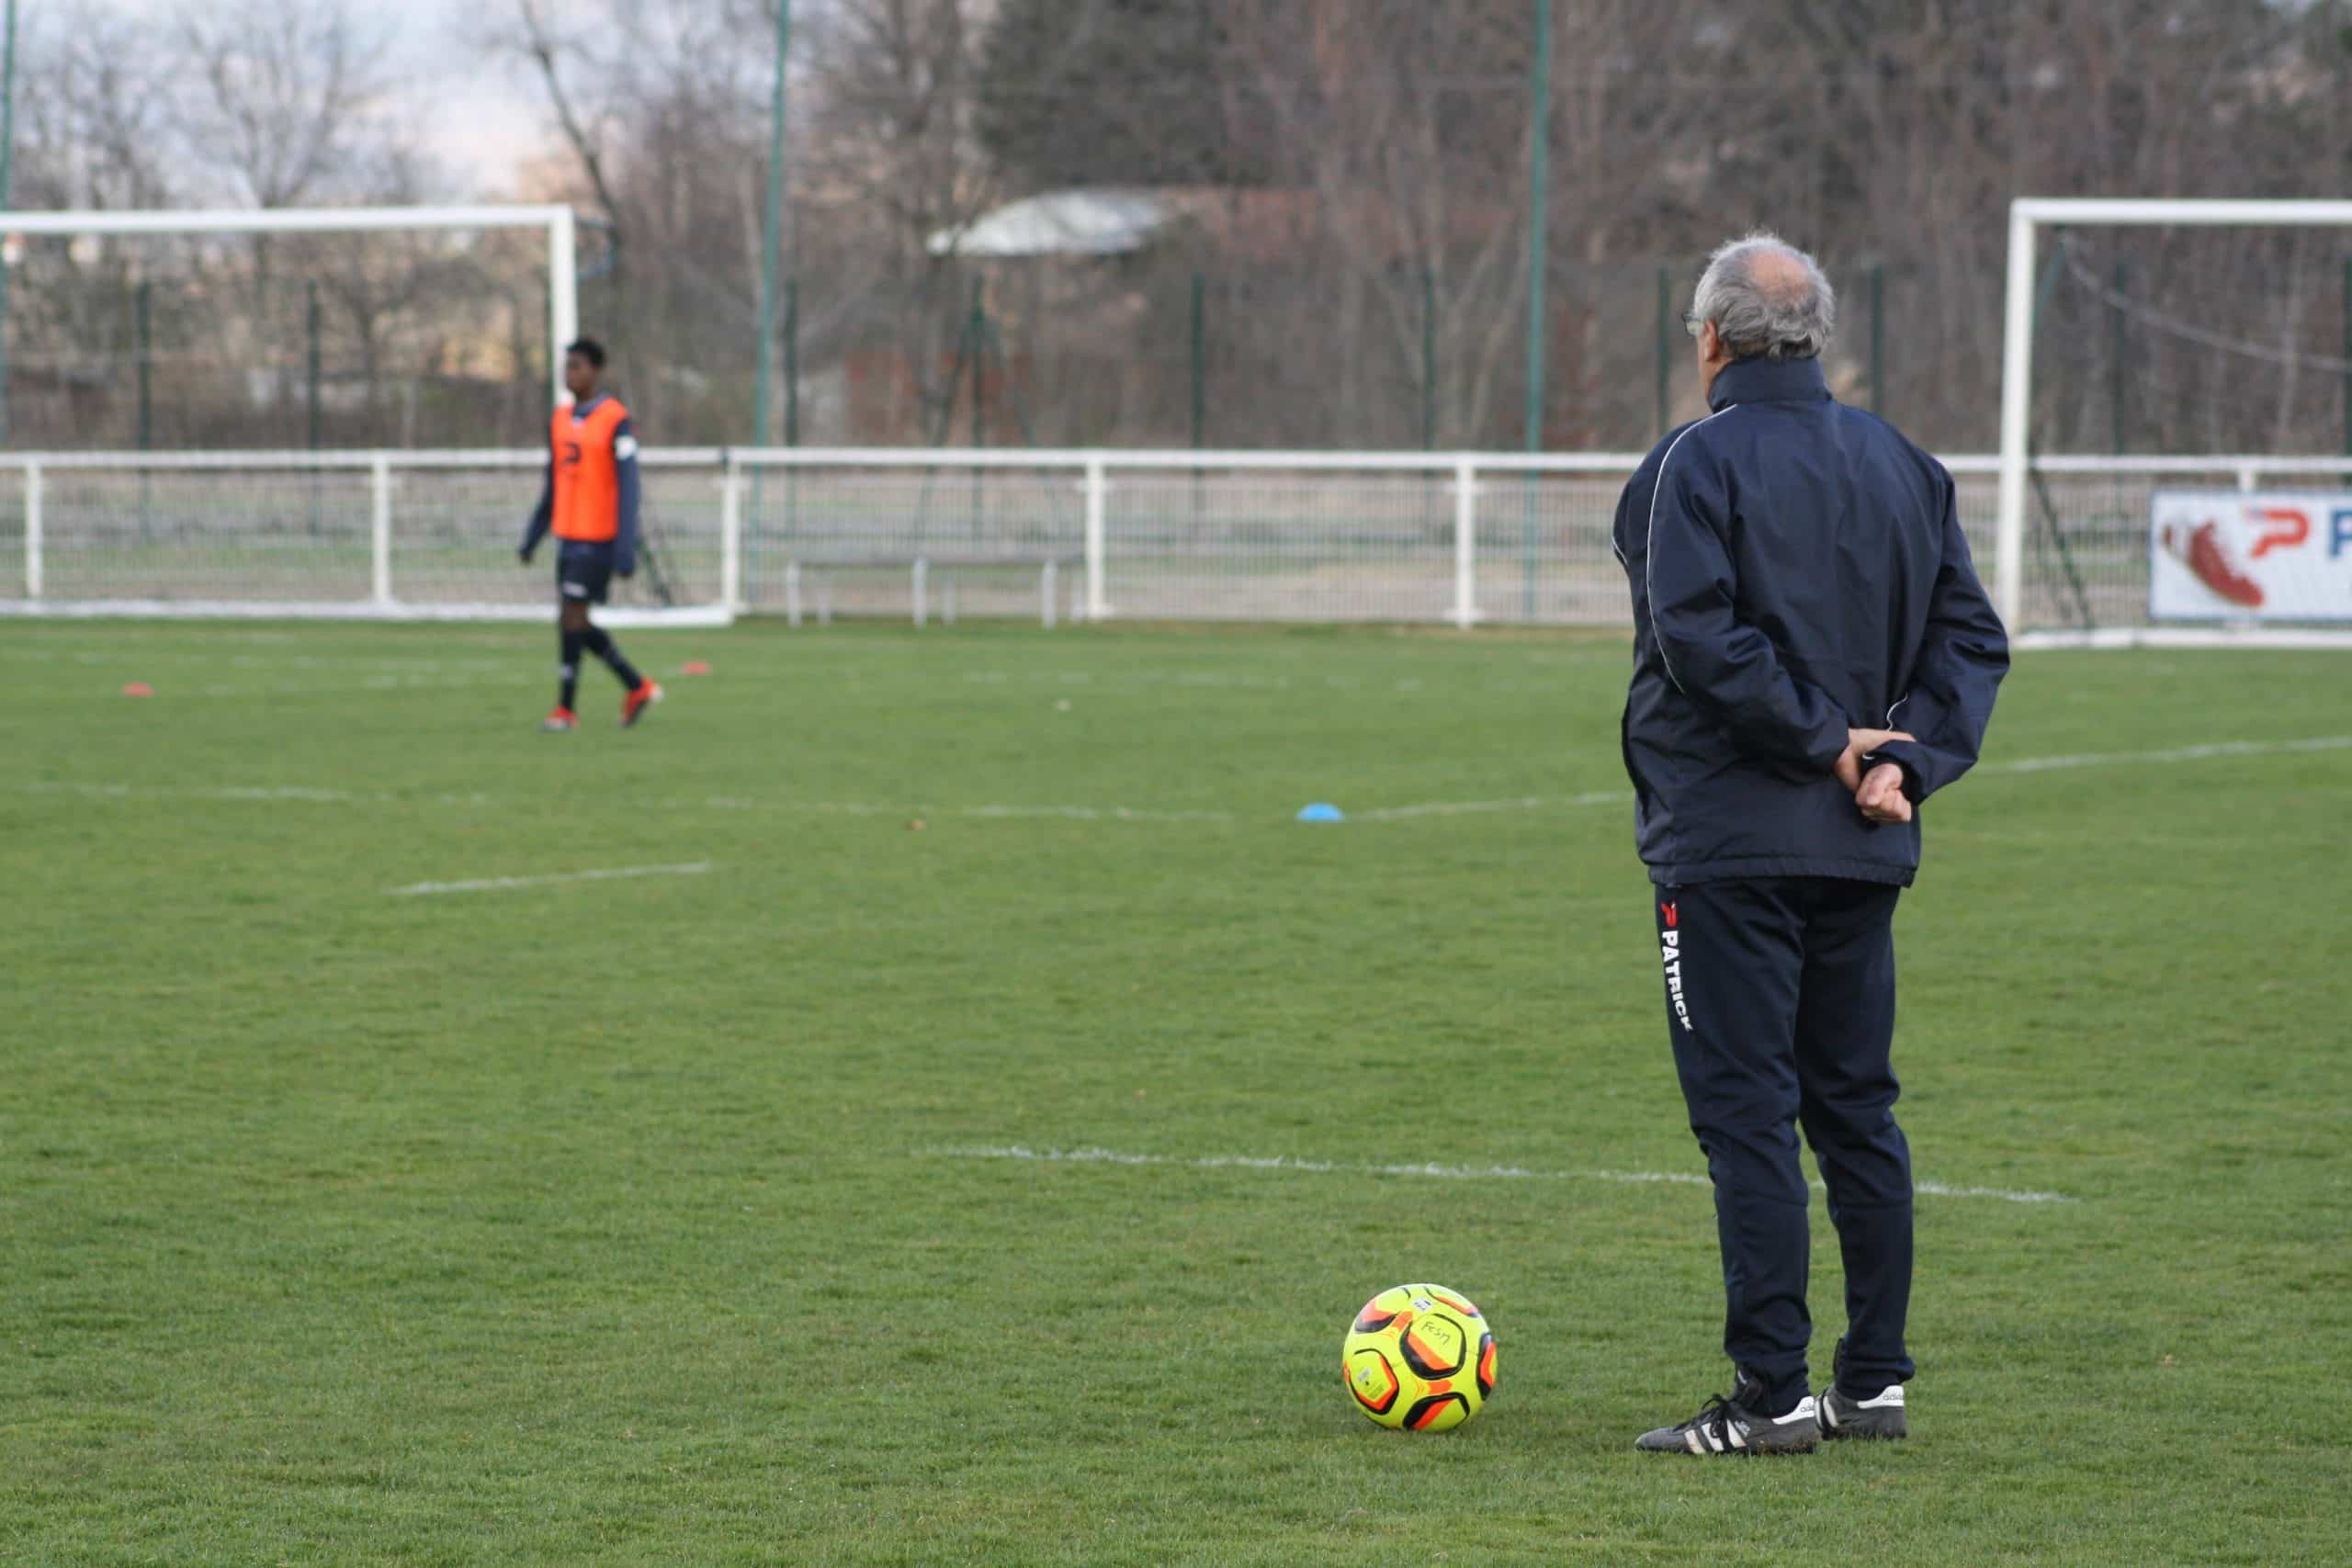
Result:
pixel 633 706
pixel 562 719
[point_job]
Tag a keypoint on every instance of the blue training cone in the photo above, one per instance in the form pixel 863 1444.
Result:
pixel 1322 811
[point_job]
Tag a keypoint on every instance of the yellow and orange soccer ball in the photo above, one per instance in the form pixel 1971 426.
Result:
pixel 1420 1359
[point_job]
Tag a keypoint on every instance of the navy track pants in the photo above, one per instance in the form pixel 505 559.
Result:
pixel 1779 998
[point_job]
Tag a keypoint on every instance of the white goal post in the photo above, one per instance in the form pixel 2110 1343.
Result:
pixel 327 533
pixel 563 286
pixel 2027 217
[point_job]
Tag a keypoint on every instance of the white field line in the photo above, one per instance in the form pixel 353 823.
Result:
pixel 510 673
pixel 502 884
pixel 373 684
pixel 1479 807
pixel 2020 765
pixel 496 671
pixel 139 660
pixel 1218 680
pixel 2177 754
pixel 250 793
pixel 1437 1172
pixel 713 802
pixel 450 635
pixel 981 813
pixel 1020 812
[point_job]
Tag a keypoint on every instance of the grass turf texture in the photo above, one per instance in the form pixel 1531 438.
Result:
pixel 603 1223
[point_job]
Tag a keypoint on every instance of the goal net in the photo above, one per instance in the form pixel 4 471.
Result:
pixel 2176 461
pixel 326 412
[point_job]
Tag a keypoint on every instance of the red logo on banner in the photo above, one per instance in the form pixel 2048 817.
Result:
pixel 2289 526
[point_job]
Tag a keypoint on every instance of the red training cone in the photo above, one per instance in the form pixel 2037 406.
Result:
pixel 138 689
pixel 694 667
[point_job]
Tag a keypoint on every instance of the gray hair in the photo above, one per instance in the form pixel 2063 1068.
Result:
pixel 1787 312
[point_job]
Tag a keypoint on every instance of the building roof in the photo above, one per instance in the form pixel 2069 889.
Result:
pixel 1062 222
pixel 1256 223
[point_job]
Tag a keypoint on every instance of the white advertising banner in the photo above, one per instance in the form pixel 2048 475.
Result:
pixel 2226 555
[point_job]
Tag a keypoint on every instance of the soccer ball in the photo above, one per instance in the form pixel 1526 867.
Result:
pixel 1420 1359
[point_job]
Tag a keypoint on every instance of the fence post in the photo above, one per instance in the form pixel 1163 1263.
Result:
pixel 1098 506
pixel 1046 593
pixel 792 595
pixel 1664 408
pixel 1200 361
pixel 980 331
pixel 144 358
pixel 791 362
pixel 1429 359
pixel 1878 339
pixel 380 529
pixel 32 531
pixel 2120 342
pixel 922 571
pixel 1466 544
pixel 730 535
pixel 313 406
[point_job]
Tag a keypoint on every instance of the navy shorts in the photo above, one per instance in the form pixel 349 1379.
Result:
pixel 583 571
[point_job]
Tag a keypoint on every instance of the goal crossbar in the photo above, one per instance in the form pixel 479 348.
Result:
pixel 563 292
pixel 2027 217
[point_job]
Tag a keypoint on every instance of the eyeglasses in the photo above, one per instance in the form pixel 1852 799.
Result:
pixel 1692 322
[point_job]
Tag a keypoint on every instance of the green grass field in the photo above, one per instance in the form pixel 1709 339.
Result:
pixel 646 1221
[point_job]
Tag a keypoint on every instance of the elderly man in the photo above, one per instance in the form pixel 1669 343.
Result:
pixel 1813 657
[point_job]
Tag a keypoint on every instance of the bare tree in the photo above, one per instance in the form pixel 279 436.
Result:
pixel 890 156
pixel 285 95
pixel 584 129
pixel 659 104
pixel 1347 178
pixel 91 128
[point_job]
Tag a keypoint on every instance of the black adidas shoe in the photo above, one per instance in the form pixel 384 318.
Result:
pixel 1881 1416
pixel 1732 1427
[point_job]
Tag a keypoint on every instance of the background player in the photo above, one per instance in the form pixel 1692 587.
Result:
pixel 590 502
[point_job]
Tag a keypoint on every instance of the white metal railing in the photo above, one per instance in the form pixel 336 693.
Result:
pixel 1459 538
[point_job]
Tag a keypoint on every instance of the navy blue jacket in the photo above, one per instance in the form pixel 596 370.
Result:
pixel 1797 568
